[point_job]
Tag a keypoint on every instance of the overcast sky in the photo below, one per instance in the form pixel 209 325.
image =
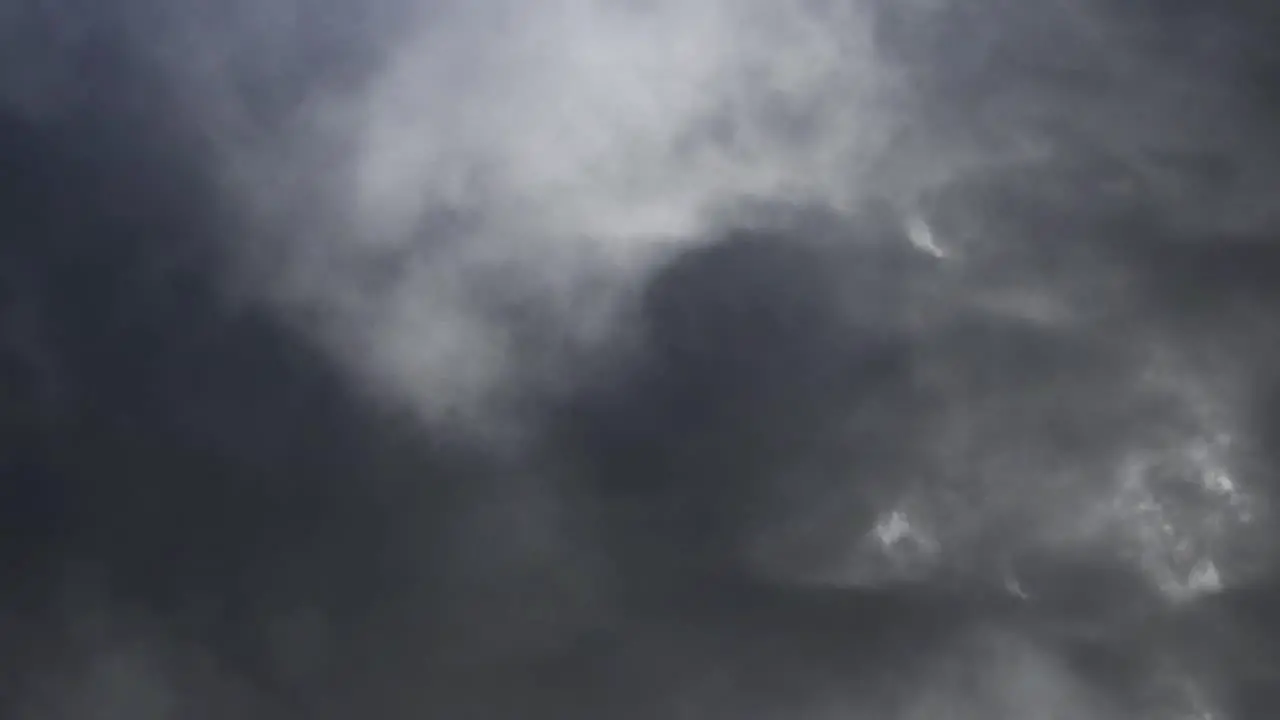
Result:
pixel 637 358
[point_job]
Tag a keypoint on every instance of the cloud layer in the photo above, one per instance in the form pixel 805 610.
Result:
pixel 351 350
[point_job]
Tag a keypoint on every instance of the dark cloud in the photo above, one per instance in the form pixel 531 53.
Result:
pixel 205 468
pixel 637 360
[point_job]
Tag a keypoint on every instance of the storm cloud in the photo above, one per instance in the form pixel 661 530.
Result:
pixel 588 358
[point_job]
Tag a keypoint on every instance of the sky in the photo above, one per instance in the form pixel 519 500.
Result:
pixel 638 359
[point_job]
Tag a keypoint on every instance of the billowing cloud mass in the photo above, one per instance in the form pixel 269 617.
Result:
pixel 555 150
pixel 638 359
pixel 471 222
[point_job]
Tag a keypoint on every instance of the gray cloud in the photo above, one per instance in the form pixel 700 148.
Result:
pixel 1003 307
pixel 561 149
